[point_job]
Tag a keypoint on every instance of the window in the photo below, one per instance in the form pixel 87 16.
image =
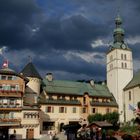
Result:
pixel 84 100
pixel 3 77
pixel 12 101
pixel 125 57
pixel 14 77
pixel 125 65
pixel 107 110
pixel 9 78
pixel 1 101
pixel 62 110
pixel 16 87
pixel 49 109
pixel 48 125
pixel 93 110
pixel 63 97
pixel 122 56
pixel 0 87
pixel 84 110
pixel 3 87
pixel 122 65
pixel 50 97
pixel 13 87
pixel 129 95
pixel 74 110
pixel 11 115
pixel 7 87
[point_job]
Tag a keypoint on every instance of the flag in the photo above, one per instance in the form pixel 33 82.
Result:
pixel 131 107
pixel 5 64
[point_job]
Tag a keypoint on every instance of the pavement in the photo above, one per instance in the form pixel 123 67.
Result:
pixel 61 136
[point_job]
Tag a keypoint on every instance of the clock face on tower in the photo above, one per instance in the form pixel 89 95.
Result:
pixel 123 46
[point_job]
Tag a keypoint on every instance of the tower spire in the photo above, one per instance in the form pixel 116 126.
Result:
pixel 118 31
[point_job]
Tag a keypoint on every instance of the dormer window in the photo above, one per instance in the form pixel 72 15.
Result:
pixel 3 77
pixel 9 78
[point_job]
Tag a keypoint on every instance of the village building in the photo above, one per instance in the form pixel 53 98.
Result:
pixel 31 105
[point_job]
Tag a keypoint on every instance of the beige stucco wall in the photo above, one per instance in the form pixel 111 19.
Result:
pixel 59 117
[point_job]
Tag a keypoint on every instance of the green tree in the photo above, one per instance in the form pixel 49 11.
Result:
pixel 95 117
pixel 112 118
pixel 109 117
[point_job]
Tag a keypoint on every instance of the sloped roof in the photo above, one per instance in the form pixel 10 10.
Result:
pixel 134 82
pixel 30 71
pixel 7 71
pixel 102 124
pixel 75 88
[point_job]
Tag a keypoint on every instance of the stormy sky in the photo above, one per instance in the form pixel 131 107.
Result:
pixel 68 38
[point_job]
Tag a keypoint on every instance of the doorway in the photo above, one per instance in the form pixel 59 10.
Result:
pixel 30 134
pixel 61 127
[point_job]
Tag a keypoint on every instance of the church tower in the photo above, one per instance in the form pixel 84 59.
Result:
pixel 119 65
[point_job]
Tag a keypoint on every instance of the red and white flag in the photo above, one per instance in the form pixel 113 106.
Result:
pixel 5 64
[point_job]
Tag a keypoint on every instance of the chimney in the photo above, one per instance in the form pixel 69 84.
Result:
pixel 92 83
pixel 49 77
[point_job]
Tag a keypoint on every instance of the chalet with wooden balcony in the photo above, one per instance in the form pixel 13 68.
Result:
pixel 12 88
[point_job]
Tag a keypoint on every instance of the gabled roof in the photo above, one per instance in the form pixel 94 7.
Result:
pixel 134 82
pixel 30 71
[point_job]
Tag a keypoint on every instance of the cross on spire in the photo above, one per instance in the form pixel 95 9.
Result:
pixel 30 58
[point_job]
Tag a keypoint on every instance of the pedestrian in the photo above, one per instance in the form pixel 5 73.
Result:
pixel 50 135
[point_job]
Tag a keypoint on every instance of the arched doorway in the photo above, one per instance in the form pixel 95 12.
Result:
pixel 61 126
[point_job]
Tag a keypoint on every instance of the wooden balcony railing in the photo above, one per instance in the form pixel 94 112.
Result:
pixel 10 107
pixel 11 93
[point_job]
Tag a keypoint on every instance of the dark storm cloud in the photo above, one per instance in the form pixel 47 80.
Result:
pixel 59 63
pixel 15 17
pixel 75 33
pixel 46 26
pixel 136 51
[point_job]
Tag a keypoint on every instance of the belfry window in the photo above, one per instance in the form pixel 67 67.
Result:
pixel 122 65
pixel 125 65
pixel 129 95
pixel 122 56
pixel 125 57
